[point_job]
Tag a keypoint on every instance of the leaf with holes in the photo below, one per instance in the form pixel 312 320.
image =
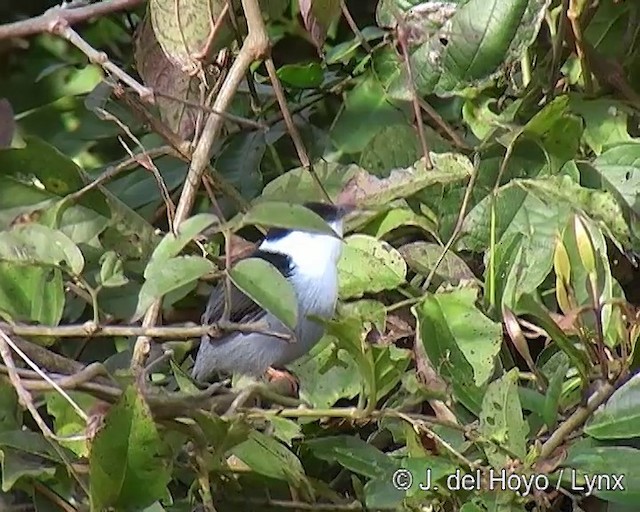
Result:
pixel 369 266
pixel 501 420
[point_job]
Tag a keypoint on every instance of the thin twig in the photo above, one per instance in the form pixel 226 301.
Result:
pixel 442 123
pixel 42 23
pixel 60 27
pixel 402 39
pixel 146 162
pixel 291 126
pixel 92 330
pixel 573 13
pixel 23 395
pixel 113 170
pixel 354 27
pixel 243 121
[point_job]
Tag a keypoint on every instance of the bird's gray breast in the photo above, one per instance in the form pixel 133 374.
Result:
pixel 316 298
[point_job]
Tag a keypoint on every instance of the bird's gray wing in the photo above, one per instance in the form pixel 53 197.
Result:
pixel 242 308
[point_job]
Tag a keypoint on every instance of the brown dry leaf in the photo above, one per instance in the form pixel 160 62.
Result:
pixel 7 123
pixel 426 373
pixel 240 248
pixel 551 463
pixel 367 189
pixel 183 29
pixel 566 322
pixel 397 329
pixel 317 16
pixel 159 73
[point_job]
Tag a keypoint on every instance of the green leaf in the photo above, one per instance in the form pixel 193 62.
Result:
pixel 263 283
pixel 326 375
pixel 33 443
pixel 288 216
pixel 111 271
pixel 127 469
pixel 501 420
pixel 619 172
pixel 10 412
pixel 477 337
pixel 268 457
pixel 184 29
pixel 605 121
pixel 422 257
pixel 31 294
pixel 40 245
pixel 390 365
pixel 285 429
pixel 398 146
pixel 529 306
pixel 349 334
pixel 439 326
pixel 318 15
pixel 397 218
pixel 482 38
pixel 299 182
pixel 368 265
pixel 352 453
pixel 67 421
pixel 366 113
pixel 95 210
pixel 166 276
pixel 604 461
pixel 554 392
pixel 302 76
pixel 171 245
pixel 17 464
pixel 619 417
pixel 240 160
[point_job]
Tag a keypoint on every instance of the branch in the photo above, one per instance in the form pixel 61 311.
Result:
pixel 58 14
pixel 93 330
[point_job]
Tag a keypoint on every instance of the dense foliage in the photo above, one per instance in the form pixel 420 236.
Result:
pixel 487 324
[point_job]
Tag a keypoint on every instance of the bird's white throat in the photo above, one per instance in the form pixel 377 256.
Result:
pixel 313 254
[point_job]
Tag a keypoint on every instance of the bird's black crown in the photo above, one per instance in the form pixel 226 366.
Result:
pixel 329 212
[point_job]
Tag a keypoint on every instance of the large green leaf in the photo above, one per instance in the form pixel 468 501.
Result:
pixel 619 418
pixel 368 266
pixel 288 216
pixel 171 245
pixel 481 37
pixel 367 111
pixel 501 420
pixel 165 276
pixel 127 466
pixel 352 453
pixel 261 281
pixel 35 244
pixel 268 457
pixel 31 294
pixel 299 182
pixel 600 464
pixel 619 172
pixel 326 375
pixel 440 325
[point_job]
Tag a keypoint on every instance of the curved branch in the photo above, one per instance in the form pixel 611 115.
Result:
pixel 70 16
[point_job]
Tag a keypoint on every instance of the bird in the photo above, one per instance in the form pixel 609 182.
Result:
pixel 309 261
